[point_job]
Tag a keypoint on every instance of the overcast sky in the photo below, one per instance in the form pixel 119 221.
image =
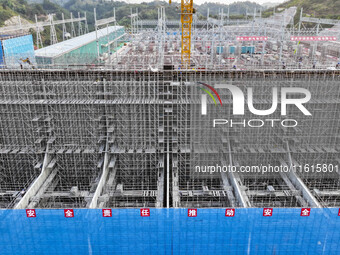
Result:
pixel 212 1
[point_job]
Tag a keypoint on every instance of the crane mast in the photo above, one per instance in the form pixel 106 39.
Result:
pixel 187 11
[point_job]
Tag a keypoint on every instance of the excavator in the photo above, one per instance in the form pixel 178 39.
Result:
pixel 26 61
pixel 187 11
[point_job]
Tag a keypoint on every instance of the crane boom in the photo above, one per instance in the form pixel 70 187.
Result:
pixel 187 10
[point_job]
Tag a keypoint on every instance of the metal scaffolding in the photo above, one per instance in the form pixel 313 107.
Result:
pixel 96 139
pixel 128 131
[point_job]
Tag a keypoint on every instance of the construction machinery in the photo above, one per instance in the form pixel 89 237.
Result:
pixel 187 11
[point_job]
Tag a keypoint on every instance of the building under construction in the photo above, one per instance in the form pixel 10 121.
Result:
pixel 135 136
pixel 96 139
pixel 128 129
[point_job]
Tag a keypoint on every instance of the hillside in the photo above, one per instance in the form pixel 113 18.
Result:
pixel 238 8
pixel 27 10
pixel 149 10
pixel 314 8
pixel 10 8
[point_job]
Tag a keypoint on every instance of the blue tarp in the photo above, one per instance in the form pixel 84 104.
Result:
pixel 1 56
pixel 171 231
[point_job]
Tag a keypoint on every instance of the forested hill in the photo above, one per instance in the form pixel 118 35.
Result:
pixel 315 8
pixel 10 8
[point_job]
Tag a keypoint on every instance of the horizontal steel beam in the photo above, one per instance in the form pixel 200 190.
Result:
pixel 37 184
pixel 39 25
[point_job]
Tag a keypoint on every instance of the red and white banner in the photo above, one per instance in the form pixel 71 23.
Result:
pixel 107 212
pixel 145 212
pixel 230 212
pixel 252 38
pixel 313 38
pixel 267 212
pixel 30 213
pixel 305 212
pixel 68 213
pixel 192 212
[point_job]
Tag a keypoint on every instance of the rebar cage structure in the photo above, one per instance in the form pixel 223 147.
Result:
pixel 124 139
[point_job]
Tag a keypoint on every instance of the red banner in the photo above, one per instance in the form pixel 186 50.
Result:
pixel 252 38
pixel 313 38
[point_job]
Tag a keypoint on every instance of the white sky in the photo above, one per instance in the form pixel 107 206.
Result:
pixel 213 1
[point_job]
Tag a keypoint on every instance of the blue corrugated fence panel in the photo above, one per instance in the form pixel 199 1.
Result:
pixel 17 49
pixel 171 231
pixel 1 56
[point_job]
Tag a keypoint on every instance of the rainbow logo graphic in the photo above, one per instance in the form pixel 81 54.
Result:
pixel 204 97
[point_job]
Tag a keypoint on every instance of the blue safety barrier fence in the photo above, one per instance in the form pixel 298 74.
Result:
pixel 170 231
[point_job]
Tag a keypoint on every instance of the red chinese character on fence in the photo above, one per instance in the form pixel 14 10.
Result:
pixel 192 212
pixel 107 213
pixel 305 212
pixel 268 212
pixel 145 212
pixel 68 213
pixel 230 212
pixel 30 213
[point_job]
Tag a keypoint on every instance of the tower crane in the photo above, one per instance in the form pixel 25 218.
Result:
pixel 187 11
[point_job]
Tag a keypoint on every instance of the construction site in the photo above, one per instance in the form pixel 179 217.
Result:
pixel 113 118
